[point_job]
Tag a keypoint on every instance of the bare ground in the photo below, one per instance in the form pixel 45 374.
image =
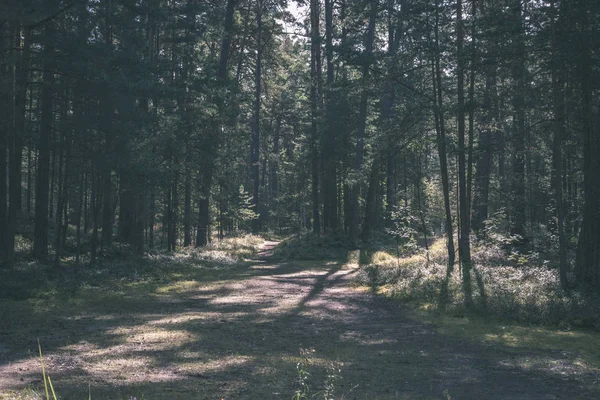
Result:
pixel 240 337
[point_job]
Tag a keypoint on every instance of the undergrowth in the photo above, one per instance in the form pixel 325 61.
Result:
pixel 309 246
pixel 119 267
pixel 506 285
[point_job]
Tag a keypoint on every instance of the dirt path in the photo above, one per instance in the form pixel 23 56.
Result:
pixel 240 338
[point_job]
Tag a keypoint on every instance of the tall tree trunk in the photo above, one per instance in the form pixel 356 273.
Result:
pixel 485 148
pixel 173 223
pixel 151 216
pixel 387 108
pixel 60 199
pixel 255 144
pixel 212 140
pixel 441 141
pixel 464 245
pixel 106 110
pixel 6 98
pixel 16 151
pixel 370 203
pixel 518 131
pixel 329 157
pixel 587 266
pixel 362 122
pixel 95 201
pixel 187 207
pixel 559 134
pixel 40 238
pixel 471 108
pixel 315 77
pixel 274 164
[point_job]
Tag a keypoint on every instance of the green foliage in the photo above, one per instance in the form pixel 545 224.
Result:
pixel 303 390
pixel 404 231
pixel 506 286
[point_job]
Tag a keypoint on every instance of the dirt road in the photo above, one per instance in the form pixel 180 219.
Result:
pixel 241 338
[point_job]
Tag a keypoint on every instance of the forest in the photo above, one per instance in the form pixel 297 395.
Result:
pixel 442 154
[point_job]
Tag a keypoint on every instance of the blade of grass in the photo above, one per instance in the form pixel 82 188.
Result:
pixel 51 388
pixel 43 370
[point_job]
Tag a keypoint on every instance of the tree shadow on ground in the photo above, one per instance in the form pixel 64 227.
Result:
pixel 240 338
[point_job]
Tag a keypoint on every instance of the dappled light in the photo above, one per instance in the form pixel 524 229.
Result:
pixel 240 336
pixel 299 199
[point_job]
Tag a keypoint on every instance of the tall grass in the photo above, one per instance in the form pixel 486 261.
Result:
pixel 46 377
pixel 505 285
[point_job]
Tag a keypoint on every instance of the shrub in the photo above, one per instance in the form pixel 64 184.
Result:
pixel 508 286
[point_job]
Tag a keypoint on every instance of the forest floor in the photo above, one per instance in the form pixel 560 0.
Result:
pixel 241 332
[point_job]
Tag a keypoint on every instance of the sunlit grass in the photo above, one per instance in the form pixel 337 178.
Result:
pixel 583 346
pixel 516 307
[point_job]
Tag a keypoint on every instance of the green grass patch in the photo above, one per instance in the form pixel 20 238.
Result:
pixel 582 345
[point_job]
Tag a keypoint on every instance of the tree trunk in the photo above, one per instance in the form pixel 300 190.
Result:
pixel 587 267
pixel 485 147
pixel 518 131
pixel 559 134
pixel 464 245
pixel 441 141
pixel 5 127
pixel 255 144
pixel 329 156
pixel 362 122
pixel 106 110
pixel 369 220
pixel 315 77
pixel 471 109
pixel 40 238
pixel 187 207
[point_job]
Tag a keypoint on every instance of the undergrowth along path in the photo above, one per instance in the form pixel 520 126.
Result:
pixel 241 336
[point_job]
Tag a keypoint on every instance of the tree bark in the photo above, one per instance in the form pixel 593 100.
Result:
pixel 362 123
pixel 106 110
pixel 255 144
pixel 518 131
pixel 559 134
pixel 40 238
pixel 315 77
pixel 587 267
pixel 464 245
pixel 5 127
pixel 329 156
pixel 441 141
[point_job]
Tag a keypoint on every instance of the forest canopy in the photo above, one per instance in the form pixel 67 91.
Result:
pixel 171 123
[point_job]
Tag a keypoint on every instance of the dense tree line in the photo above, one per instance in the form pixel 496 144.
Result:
pixel 166 123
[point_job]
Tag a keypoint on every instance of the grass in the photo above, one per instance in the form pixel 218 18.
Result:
pixel 38 300
pixel 214 324
pixel 503 288
pixel 583 344
pixel 519 307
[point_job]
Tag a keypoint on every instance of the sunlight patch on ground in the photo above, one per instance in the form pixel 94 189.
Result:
pixel 132 370
pixel 583 346
pixel 215 365
pixel 353 257
pixel 369 340
pixel 179 286
pixel 265 266
pixel 184 317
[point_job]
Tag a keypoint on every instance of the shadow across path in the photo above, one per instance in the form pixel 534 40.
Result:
pixel 240 337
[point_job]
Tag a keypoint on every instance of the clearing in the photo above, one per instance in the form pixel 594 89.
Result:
pixel 240 334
